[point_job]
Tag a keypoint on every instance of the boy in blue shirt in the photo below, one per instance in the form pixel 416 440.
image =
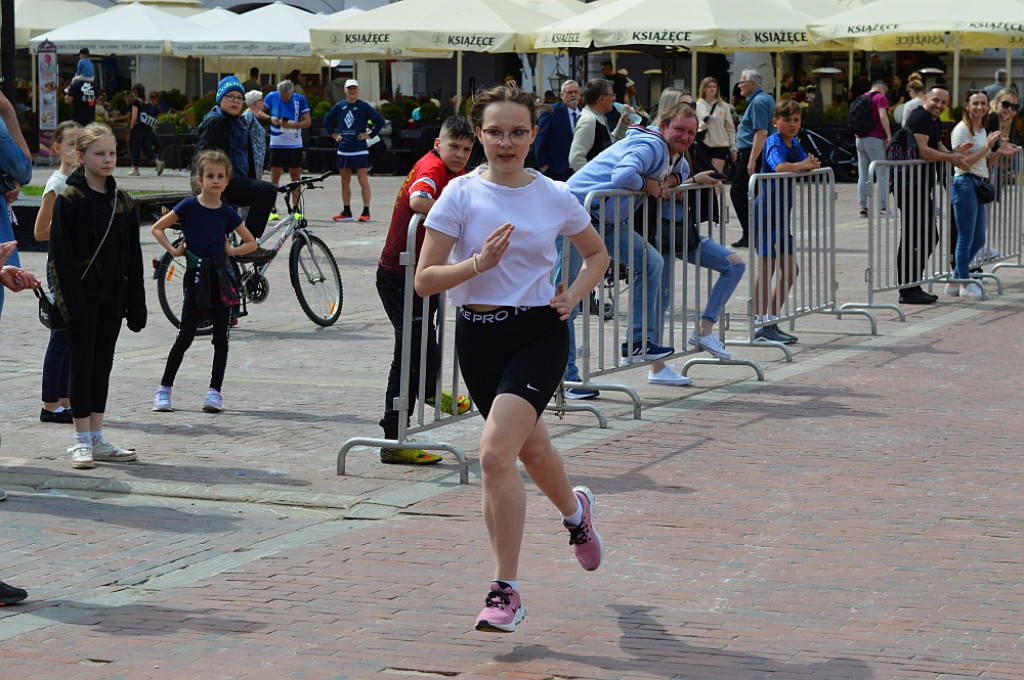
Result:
pixel 85 71
pixel 782 153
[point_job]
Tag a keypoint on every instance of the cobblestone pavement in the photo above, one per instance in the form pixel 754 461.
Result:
pixel 857 515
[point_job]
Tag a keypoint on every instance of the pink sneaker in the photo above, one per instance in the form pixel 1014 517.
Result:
pixel 502 610
pixel 584 539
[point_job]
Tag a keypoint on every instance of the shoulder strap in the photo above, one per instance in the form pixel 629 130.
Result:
pixel 113 211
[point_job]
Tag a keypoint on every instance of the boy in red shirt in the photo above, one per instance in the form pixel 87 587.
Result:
pixel 422 187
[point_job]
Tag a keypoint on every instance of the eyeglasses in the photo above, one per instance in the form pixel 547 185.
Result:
pixel 497 136
pixel 1007 105
pixel 234 97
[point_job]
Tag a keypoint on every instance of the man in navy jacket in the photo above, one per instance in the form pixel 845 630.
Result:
pixel 554 133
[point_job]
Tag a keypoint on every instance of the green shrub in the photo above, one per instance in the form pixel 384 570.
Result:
pixel 837 113
pixel 393 112
pixel 320 110
pixel 428 111
pixel 180 124
pixel 408 105
pixel 175 99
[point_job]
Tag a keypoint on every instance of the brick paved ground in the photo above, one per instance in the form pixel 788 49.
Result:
pixel 855 516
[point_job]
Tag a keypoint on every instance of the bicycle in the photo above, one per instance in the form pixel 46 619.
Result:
pixel 311 264
pixel 833 154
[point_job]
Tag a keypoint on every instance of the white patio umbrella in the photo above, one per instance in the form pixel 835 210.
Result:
pixel 452 25
pixel 126 29
pixel 926 25
pixel 33 17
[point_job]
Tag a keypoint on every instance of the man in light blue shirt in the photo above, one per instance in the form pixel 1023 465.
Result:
pixel 755 126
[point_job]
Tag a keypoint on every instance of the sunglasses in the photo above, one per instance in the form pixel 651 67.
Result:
pixel 1007 105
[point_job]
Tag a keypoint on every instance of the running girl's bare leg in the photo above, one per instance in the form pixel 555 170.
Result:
pixel 511 431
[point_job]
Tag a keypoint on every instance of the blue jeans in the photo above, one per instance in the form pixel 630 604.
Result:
pixel 651 281
pixel 970 223
pixel 714 256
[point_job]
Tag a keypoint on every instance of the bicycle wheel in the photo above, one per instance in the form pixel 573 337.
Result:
pixel 170 273
pixel 316 279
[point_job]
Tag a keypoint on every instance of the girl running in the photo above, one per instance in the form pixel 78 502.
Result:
pixel 96 271
pixel 56 362
pixel 490 238
pixel 209 283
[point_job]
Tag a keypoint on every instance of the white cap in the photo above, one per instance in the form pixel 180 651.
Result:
pixel 351 82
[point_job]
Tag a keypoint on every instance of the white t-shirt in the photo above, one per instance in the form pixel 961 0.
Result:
pixel 58 180
pixel 960 135
pixel 471 208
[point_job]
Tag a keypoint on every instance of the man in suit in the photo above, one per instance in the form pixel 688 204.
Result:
pixel 554 133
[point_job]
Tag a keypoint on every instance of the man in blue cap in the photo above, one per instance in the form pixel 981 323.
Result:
pixel 223 129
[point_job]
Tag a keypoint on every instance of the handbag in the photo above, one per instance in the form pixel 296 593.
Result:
pixel 699 138
pixel 985 192
pixel 49 313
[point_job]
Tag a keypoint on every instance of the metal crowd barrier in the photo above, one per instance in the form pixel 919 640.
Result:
pixel 1004 236
pixel 424 417
pixel 792 236
pixel 608 322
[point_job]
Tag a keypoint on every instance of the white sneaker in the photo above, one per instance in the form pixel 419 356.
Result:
pixel 104 450
pixel 973 291
pixel 81 457
pixel 710 344
pixel 667 376
pixel 953 289
pixel 134 172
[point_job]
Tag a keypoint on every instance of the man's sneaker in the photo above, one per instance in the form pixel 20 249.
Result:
pixel 105 451
pixel 343 216
pixel 365 216
pixel 258 256
pixel 580 393
pixel 81 456
pixel 10 594
pixel 887 212
pixel 769 334
pixel 667 376
pixel 787 338
pixel 710 344
pixel 134 172
pixel 397 456
pixel 503 610
pixel 162 400
pixel 654 352
pixel 863 212
pixel 214 402
pixel 160 165
pixel 446 403
pixel 953 289
pixel 973 291
pixel 585 541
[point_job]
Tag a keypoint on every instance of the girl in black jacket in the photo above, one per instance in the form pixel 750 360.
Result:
pixel 96 268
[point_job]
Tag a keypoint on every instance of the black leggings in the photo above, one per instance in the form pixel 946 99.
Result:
pixel 142 141
pixel 92 342
pixel 513 350
pixel 190 318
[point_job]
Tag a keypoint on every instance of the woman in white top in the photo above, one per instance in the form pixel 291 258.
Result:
pixel 969 213
pixel 917 91
pixel 490 240
pixel 715 122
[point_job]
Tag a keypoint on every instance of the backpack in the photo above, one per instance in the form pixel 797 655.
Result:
pixel 861 119
pixel 902 146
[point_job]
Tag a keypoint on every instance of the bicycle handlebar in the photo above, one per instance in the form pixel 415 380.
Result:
pixel 308 182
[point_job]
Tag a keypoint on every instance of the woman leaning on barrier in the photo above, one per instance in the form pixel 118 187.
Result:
pixel 967 208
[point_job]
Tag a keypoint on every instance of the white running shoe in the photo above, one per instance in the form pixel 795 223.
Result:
pixel 953 289
pixel 710 344
pixel 973 291
pixel 105 451
pixel 667 376
pixel 81 457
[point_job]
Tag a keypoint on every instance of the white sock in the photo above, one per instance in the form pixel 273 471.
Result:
pixel 576 518
pixel 83 437
pixel 97 436
pixel 514 585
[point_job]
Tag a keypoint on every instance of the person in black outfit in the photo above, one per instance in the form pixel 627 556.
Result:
pixel 916 198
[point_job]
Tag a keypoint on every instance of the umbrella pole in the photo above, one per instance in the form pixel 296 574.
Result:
pixel 458 76
pixel 956 70
pixel 539 79
pixel 35 80
pixel 693 73
pixel 1009 79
